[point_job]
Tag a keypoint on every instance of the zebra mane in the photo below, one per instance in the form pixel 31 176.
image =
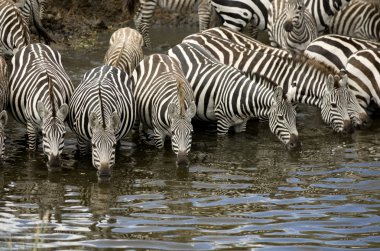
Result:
pixel 181 96
pixel 51 95
pixel 101 106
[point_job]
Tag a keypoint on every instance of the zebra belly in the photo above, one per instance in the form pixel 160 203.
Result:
pixel 205 110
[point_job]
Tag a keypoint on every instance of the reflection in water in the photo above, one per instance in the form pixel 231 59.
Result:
pixel 240 192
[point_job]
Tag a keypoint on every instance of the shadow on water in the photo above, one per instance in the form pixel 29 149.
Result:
pixel 241 192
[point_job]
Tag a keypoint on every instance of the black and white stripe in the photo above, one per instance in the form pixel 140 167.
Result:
pixel 323 11
pixel 39 91
pixel 14 33
pixel 363 68
pixel 165 102
pixel 32 11
pixel 225 96
pixel 315 82
pixel 125 50
pixel 4 85
pixel 290 25
pixel 145 12
pixel 359 19
pixel 334 50
pixel 101 112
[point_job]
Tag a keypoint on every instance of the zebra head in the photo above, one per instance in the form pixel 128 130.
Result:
pixel 356 112
pixel 181 130
pixel 103 143
pixel 282 118
pixel 334 108
pixel 295 10
pixel 53 132
pixel 3 122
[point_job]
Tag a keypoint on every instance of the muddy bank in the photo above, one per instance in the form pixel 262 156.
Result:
pixel 76 23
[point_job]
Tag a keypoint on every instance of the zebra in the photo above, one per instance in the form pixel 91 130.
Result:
pixel 334 50
pixel 4 84
pixel 312 78
pixel 363 68
pixel 165 102
pixel 32 12
pixel 145 12
pixel 14 33
pixel 323 11
pixel 290 25
pixel 359 19
pixel 39 91
pixel 101 112
pixel 224 95
pixel 237 14
pixel 125 50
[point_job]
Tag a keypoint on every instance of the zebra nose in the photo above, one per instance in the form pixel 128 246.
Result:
pixel 364 118
pixel 54 161
pixel 182 159
pixel 104 171
pixel 288 26
pixel 294 142
pixel 347 126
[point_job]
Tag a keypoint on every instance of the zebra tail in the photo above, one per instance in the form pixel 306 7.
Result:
pixel 130 6
pixel 38 24
pixel 216 20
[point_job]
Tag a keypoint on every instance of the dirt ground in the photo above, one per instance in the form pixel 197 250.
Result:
pixel 75 23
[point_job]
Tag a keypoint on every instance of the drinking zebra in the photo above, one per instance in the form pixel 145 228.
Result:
pixel 363 68
pixel 125 50
pixel 225 96
pixel 359 19
pixel 14 34
pixel 39 90
pixel 290 25
pixel 145 12
pixel 334 50
pixel 323 11
pixel 165 102
pixel 32 11
pixel 4 84
pixel 311 77
pixel 101 112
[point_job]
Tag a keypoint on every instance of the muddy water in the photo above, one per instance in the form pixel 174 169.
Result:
pixel 242 192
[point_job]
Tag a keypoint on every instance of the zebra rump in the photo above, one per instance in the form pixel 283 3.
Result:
pixel 4 85
pixel 165 103
pixel 225 96
pixel 363 68
pixel 14 33
pixel 101 112
pixel 125 50
pixel 39 91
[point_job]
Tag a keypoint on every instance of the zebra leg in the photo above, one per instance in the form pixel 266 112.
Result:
pixel 241 127
pixel 222 126
pixel 82 145
pixel 143 26
pixel 32 136
pixel 204 14
pixel 159 139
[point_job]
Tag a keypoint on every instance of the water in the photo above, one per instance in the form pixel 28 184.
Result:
pixel 242 192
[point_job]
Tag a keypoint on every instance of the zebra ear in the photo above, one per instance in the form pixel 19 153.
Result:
pixel 94 121
pixel 42 111
pixel 115 121
pixel 191 110
pixel 3 118
pixel 63 111
pixel 343 81
pixel 277 95
pixel 330 83
pixel 172 109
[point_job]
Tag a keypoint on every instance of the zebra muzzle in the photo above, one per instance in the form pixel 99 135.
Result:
pixel 54 162
pixel 288 26
pixel 294 142
pixel 104 171
pixel 182 159
pixel 347 126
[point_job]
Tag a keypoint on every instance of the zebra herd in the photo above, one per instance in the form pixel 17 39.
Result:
pixel 218 75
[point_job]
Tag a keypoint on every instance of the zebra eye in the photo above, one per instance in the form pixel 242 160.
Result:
pixel 333 105
pixel 280 117
pixel 93 146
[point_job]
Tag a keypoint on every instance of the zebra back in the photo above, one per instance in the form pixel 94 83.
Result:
pixel 284 69
pixel 224 95
pixel 359 19
pixel 323 10
pixel 14 33
pixel 363 68
pixel 125 50
pixel 290 25
pixel 334 50
pixel 165 102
